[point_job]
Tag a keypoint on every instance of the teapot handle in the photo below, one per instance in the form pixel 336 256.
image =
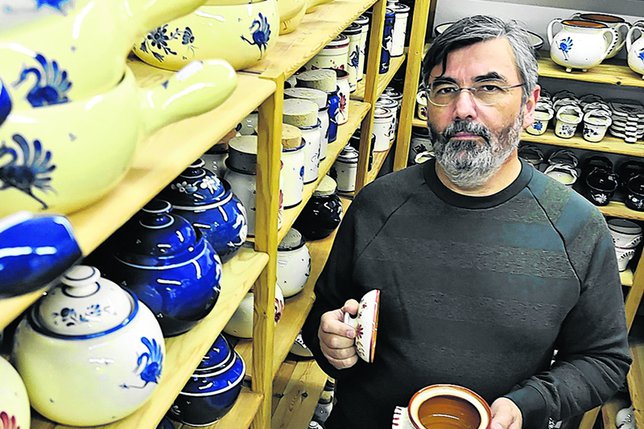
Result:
pixel 618 28
pixel 629 39
pixel 550 26
pixel 614 34
pixel 196 88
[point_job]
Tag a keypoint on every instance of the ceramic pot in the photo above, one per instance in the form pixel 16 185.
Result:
pixel 293 263
pixel 47 150
pixel 635 193
pixel 241 323
pixel 292 171
pixel 241 34
pixel 616 22
pixel 321 99
pixel 322 213
pixel 392 105
pixel 562 173
pixel 625 233
pixel 345 170
pixel 365 324
pixel 332 56
pixel 401 12
pixel 624 256
pixel 209 204
pixel 322 79
pixel 600 186
pixel 36 251
pixel 14 409
pixel 596 123
pixel 568 117
pixel 628 169
pixel 387 40
pixel 216 357
pixel 635 48
pixel 303 114
pixel 244 187
pixel 168 264
pixel 344 92
pixel 66 55
pixel 291 13
pixel 209 395
pixel 353 32
pixel 382 122
pixel 95 339
pixel 215 159
pixel 363 22
pixel 580 44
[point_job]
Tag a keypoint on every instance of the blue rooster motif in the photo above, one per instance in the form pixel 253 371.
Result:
pixel 29 171
pixel 151 363
pixel 5 103
pixel 261 31
pixel 52 84
pixel 564 46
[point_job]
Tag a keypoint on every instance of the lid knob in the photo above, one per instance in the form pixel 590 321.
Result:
pixel 82 279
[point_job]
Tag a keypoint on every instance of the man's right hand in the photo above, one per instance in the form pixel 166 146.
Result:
pixel 337 338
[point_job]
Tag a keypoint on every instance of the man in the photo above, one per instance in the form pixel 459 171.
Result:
pixel 485 265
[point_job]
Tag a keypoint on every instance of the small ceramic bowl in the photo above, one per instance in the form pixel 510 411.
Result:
pixel 601 186
pixel 635 193
pixel 365 324
pixel 563 173
pixel 450 405
pixel 299 348
pixel 288 25
pixel 596 123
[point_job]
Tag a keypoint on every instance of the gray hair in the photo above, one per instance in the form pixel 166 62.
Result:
pixel 479 28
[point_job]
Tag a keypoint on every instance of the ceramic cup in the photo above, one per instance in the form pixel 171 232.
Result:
pixel 568 117
pixel 365 324
pixel 540 123
pixel 596 123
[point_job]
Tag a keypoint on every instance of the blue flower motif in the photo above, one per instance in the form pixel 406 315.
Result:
pixel 354 57
pixel 261 33
pixel 188 36
pixel 51 86
pixel 54 4
pixel 537 125
pixel 641 55
pixel 564 46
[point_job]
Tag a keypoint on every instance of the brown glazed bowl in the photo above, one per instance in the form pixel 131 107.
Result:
pixel 448 406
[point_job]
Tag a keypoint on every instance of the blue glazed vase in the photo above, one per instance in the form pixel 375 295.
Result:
pixel 36 251
pixel 207 397
pixel 168 264
pixel 211 207
pixel 334 108
pixel 387 40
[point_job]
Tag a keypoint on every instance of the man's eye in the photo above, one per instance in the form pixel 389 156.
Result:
pixel 443 90
pixel 490 88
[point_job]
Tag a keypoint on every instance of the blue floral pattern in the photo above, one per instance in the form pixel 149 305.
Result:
pixel 641 55
pixel 156 42
pixel 54 4
pixel 69 316
pixel 564 46
pixel 29 167
pixel 537 125
pixel 5 103
pixel 51 86
pixel 354 57
pixel 149 364
pixel 261 34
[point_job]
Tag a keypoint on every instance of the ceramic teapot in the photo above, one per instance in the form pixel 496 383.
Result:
pixel 580 44
pixel 89 352
pixel 78 53
pixel 63 157
pixel 239 33
pixel 613 21
pixel 36 251
pixel 168 264
pixel 635 48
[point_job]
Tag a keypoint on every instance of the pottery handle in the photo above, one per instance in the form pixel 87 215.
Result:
pixel 626 26
pixel 148 14
pixel 550 26
pixel 629 36
pixel 614 38
pixel 197 88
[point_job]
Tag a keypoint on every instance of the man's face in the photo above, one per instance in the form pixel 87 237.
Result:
pixel 472 140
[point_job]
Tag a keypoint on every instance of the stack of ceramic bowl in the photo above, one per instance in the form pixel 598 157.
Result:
pixel 213 388
pixel 238 31
pixel 628 120
pixel 626 235
pixel 241 323
pixel 77 114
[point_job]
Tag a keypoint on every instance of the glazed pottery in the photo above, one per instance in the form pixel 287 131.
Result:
pixel 628 169
pixel 303 115
pixel 293 263
pixel 616 22
pixel 332 56
pixel 321 99
pixel 363 22
pixel 401 12
pixel 215 159
pixel 382 123
pixel 165 423
pixel 241 323
pixel 314 4
pixel 210 394
pixel 292 171
pixel 596 123
pixel 387 40
pixel 562 173
pixel 322 213
pixel 248 126
pixel 44 152
pixel 241 34
pixel 365 324
pixel 95 339
pixel 625 233
pixel 344 92
pixel 568 117
pixel 624 417
pixel 244 187
pixel 635 48
pixel 540 121
pixel 209 204
pixel 580 44
pixel 353 32
pixel 421 105
pixel 345 170
pixel 299 348
pixel 14 402
pixel 393 106
pixel 291 13
pixel 624 256
pixel 217 355
pixel 168 263
pixel 322 410
pixel 36 251
pixel 600 186
pixel 635 192
pixel 5 103
pixel 76 52
pixel 323 79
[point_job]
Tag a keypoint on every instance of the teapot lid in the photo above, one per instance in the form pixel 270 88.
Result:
pixel 84 304
pixel 292 240
pixel 195 186
pixel 244 144
pixel 326 187
pixel 155 237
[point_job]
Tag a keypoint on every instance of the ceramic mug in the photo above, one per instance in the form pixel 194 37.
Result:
pixel 540 122
pixel 596 123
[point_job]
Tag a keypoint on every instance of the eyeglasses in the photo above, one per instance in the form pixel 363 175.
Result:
pixel 488 94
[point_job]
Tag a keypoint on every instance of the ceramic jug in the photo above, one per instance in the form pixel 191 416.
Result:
pixel 580 44
pixel 77 53
pixel 635 48
pixel 61 158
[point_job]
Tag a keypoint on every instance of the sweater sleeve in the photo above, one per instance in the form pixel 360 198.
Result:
pixel 593 356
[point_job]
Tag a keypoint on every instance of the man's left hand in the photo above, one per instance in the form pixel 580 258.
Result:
pixel 506 415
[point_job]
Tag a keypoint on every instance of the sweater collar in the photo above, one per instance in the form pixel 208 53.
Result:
pixel 472 202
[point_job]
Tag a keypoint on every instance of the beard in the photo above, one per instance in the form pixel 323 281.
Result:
pixel 469 164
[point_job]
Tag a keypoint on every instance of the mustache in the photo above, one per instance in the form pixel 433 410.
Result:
pixel 460 126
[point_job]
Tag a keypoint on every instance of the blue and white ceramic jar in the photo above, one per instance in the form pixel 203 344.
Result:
pixel 89 352
pixel 387 41
pixel 333 110
pixel 363 22
pixel 322 214
pixel 401 13
pixel 211 207
pixel 353 32
pixel 171 266
pixel 210 393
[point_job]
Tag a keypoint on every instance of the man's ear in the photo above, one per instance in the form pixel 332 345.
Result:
pixel 531 103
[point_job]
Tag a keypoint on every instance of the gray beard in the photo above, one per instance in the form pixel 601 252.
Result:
pixel 469 164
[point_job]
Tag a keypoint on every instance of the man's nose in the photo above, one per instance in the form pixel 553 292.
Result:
pixel 465 105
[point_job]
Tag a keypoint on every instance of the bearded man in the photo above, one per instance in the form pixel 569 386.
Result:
pixel 486 266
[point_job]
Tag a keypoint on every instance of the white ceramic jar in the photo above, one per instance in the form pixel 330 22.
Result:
pixel 382 121
pixel 353 32
pixel 400 29
pixel 292 172
pixel 241 322
pixel 363 22
pixel 635 48
pixel 345 170
pixel 89 352
pixel 332 56
pixel 321 99
pixel 580 44
pixel 392 105
pixel 293 263
pixel 304 115
pixel 344 92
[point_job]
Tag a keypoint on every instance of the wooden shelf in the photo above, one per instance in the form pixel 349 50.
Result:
pixel 635 379
pixel 626 277
pixel 617 209
pixel 383 79
pixel 609 410
pixel 297 307
pixel 378 161
pixel 416 122
pixel 316 30
pixel 240 416
pixel 357 111
pixel 616 72
pixel 608 144
pixel 184 352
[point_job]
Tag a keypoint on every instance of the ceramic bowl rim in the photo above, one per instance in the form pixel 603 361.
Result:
pixel 449 390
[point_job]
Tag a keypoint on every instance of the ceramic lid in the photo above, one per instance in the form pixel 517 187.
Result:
pixel 218 354
pixel 392 93
pixel 353 28
pixel 326 187
pixel 84 304
pixel 349 155
pixel 399 8
pixel 244 144
pixel 292 240
pixel 382 112
pixel 300 113
pixel 155 237
pixel 340 41
pixel 310 94
pixel 291 138
pixel 218 380
pixel 387 102
pixel 196 186
pixel 322 79
pixel 362 20
pixel 624 226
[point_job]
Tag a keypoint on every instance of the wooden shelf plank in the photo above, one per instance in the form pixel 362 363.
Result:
pixel 615 72
pixel 240 415
pixel 378 162
pixel 383 79
pixel 297 307
pixel 610 409
pixel 184 352
pixel 635 379
pixel 626 277
pixel 416 122
pixel 617 209
pixel 316 30
pixel 357 111
pixel 608 144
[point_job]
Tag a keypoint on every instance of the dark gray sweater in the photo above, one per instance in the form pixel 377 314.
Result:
pixel 477 291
